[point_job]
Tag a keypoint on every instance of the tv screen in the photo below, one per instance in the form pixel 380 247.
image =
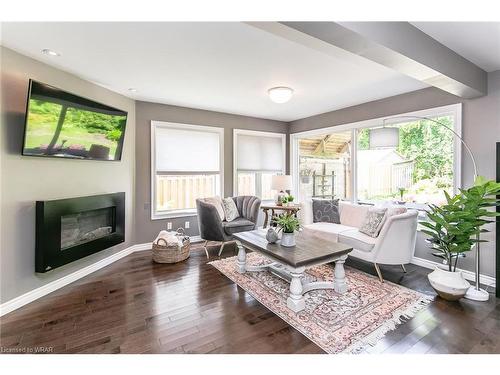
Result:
pixel 61 124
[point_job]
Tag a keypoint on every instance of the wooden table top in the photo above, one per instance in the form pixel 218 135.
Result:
pixel 276 207
pixel 309 249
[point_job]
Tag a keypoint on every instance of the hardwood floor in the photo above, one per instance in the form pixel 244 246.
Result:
pixel 136 306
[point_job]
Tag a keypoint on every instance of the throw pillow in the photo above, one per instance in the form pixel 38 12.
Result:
pixel 217 203
pixel 230 209
pixel 326 211
pixel 373 222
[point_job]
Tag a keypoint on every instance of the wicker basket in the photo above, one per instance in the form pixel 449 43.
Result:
pixel 171 254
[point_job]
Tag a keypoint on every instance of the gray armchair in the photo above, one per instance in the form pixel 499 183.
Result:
pixel 212 228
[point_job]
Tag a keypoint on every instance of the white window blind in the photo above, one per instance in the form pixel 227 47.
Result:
pixel 186 164
pixel 259 153
pixel 179 150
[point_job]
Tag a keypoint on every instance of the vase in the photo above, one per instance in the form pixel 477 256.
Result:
pixel 288 239
pixel 450 286
pixel 271 236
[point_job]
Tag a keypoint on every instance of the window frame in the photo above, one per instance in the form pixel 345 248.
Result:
pixel 454 110
pixel 174 213
pixel 258 177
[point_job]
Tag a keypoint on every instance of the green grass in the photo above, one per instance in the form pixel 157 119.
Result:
pixel 80 128
pixel 41 134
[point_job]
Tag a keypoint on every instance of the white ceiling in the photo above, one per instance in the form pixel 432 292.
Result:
pixel 224 67
pixel 478 42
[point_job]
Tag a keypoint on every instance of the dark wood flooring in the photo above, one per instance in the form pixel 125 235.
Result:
pixel 136 306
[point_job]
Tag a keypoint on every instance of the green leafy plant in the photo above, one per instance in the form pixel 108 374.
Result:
pixel 287 222
pixel 288 199
pixel 456 226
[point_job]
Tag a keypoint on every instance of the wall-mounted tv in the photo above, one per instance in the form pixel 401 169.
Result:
pixel 64 125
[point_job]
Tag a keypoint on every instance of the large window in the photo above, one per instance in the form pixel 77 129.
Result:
pixel 415 167
pixel 187 164
pixel 396 160
pixel 257 157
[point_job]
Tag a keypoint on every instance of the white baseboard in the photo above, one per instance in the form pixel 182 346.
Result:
pixel 468 275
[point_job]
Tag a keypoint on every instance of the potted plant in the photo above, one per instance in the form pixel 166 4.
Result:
pixel 402 191
pixel 454 228
pixel 305 175
pixel 288 200
pixel 288 224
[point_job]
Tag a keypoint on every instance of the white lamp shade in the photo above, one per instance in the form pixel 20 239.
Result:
pixel 384 138
pixel 281 182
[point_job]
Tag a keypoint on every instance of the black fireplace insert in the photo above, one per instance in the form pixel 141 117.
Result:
pixel 73 228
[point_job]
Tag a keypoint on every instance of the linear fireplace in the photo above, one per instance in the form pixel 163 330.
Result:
pixel 70 229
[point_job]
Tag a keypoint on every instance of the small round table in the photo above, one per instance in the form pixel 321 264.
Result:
pixel 292 209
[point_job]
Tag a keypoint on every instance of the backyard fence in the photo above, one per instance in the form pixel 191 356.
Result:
pixel 180 192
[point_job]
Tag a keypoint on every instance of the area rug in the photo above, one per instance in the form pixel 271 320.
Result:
pixel 338 323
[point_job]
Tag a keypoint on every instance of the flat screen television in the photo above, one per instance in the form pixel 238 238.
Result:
pixel 64 125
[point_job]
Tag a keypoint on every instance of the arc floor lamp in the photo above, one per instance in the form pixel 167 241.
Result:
pixel 475 292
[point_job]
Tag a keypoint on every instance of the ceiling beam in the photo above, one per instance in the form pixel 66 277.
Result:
pixel 320 148
pixel 397 45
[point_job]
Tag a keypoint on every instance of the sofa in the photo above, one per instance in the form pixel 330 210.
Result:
pixel 394 245
pixel 213 225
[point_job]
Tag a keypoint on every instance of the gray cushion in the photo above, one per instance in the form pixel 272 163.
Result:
pixel 326 211
pixel 237 225
pixel 373 221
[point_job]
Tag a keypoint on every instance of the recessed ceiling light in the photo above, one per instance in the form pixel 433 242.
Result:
pixel 132 89
pixel 49 52
pixel 280 94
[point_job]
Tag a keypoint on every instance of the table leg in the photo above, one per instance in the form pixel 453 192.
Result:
pixel 340 284
pixel 242 258
pixel 266 219
pixel 296 301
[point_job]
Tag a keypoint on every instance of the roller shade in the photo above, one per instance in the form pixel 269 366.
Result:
pixel 179 150
pixel 259 153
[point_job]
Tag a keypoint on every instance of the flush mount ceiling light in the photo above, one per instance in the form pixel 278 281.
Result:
pixel 49 52
pixel 280 94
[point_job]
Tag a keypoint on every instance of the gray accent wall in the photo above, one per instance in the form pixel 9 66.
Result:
pixel 480 129
pixel 27 179
pixel 147 229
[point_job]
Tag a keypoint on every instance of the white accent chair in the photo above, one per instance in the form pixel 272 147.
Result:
pixel 394 245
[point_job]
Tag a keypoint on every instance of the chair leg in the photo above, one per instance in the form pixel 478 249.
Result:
pixel 378 272
pixel 221 248
pixel 206 250
pixel 403 267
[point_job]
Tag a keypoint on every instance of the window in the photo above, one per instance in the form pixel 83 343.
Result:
pixel 372 161
pixel 187 163
pixel 257 157
pixel 325 165
pixel 414 167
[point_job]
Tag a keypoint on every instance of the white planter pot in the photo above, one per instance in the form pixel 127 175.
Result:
pixel 288 239
pixel 450 286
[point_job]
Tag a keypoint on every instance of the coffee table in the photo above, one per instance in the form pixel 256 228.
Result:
pixel 290 263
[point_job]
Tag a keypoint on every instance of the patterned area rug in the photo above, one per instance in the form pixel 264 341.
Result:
pixel 346 323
